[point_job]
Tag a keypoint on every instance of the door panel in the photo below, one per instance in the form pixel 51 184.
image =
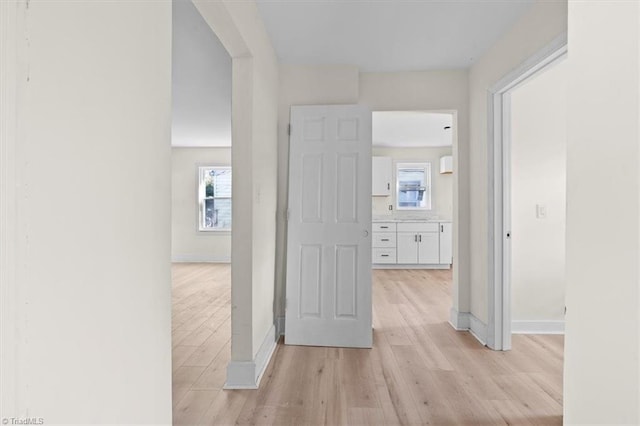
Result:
pixel 311 188
pixel 346 281
pixel 310 261
pixel 329 228
pixel 347 188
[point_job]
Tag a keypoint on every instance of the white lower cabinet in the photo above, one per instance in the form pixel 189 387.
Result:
pixel 419 248
pixel 407 247
pixel 384 256
pixel 446 243
pixel 384 243
pixel 428 248
pixel 412 243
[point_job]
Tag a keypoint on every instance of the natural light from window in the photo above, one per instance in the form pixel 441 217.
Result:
pixel 214 198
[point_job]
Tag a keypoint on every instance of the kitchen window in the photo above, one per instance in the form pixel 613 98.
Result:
pixel 413 186
pixel 214 198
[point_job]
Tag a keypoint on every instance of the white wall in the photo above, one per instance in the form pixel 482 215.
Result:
pixel 187 243
pixel 92 250
pixel 201 79
pixel 541 24
pixel 441 184
pixel 602 352
pixel 437 90
pixel 538 176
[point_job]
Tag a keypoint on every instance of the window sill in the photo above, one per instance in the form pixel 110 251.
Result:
pixel 214 231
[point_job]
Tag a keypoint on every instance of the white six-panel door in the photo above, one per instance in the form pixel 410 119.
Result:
pixel 329 227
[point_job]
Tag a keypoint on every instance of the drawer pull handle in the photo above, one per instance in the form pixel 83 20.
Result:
pixel 384 239
pixel 384 255
pixel 384 227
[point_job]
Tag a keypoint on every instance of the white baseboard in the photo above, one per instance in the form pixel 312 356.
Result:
pixel 537 327
pixel 478 329
pixel 466 321
pixel 396 266
pixel 199 258
pixel 459 320
pixel 280 326
pixel 247 374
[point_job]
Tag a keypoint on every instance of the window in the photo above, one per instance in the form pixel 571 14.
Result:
pixel 413 186
pixel 214 198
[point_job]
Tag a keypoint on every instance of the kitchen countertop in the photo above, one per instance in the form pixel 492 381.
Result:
pixel 392 219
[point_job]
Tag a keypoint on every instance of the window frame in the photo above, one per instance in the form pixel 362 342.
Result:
pixel 426 165
pixel 201 170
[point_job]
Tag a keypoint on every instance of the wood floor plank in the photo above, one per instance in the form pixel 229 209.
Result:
pixel 192 407
pixel 420 371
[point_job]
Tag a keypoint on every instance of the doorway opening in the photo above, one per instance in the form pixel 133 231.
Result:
pixel 535 206
pixel 202 194
pixel 413 200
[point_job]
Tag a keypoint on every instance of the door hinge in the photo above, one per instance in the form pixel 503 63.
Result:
pixel 289 129
pixel 288 214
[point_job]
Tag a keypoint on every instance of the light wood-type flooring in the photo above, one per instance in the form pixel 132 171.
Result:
pixel 420 370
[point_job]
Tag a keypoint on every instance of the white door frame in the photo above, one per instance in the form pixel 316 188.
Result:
pixel 499 174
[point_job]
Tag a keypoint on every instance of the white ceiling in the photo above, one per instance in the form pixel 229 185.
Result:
pixel 201 82
pixel 412 129
pixel 387 35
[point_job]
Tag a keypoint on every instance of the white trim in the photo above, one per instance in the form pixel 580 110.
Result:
pixel 498 329
pixel 537 327
pixel 478 329
pixel 11 21
pixel 404 266
pixel 280 321
pixel 247 374
pixel 199 258
pixel 466 321
pixel 459 320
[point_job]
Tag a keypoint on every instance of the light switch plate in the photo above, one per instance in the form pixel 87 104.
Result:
pixel 541 211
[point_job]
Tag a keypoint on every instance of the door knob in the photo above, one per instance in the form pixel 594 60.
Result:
pixel 365 233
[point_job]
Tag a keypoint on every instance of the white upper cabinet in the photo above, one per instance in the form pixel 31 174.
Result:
pixel 381 176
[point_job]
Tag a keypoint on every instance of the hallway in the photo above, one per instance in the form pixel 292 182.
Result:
pixel 420 370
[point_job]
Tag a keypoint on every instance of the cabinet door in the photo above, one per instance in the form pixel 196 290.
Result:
pixel 407 248
pixel 381 176
pixel 446 243
pixel 428 248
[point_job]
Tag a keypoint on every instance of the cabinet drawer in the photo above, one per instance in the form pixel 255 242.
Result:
pixel 419 227
pixel 383 255
pixel 384 239
pixel 383 227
